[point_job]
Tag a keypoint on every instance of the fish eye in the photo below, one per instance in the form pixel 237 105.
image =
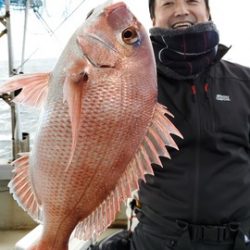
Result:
pixel 130 35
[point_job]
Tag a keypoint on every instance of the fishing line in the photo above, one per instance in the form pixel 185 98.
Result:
pixel 67 17
pixel 45 24
pixel 27 59
pixel 49 30
pixel 52 13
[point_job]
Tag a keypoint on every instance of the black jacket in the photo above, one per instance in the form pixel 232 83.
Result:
pixel 208 180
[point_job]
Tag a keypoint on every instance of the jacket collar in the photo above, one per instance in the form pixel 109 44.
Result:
pixel 222 50
pixel 162 69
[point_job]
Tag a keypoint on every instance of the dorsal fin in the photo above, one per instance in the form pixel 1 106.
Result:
pixel 154 145
pixel 34 88
pixel 21 188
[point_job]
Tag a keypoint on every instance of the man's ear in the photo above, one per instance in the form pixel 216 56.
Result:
pixel 153 21
pixel 209 16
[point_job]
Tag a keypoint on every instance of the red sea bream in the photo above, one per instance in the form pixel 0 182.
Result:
pixel 100 128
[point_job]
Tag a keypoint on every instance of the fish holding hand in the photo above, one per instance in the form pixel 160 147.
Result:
pixel 99 131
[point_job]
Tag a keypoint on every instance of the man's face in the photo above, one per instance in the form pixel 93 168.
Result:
pixel 179 14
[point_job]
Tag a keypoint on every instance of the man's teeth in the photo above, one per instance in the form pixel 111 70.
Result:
pixel 181 25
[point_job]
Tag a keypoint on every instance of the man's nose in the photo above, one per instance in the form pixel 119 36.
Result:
pixel 181 9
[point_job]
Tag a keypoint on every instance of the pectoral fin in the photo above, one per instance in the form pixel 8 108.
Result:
pixel 73 91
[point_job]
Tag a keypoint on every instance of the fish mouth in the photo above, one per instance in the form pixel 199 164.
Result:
pixel 95 64
pixel 106 45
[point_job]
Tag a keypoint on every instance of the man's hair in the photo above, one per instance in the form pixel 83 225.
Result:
pixel 151 5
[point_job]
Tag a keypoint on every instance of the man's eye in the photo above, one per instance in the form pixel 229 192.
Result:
pixel 168 3
pixel 193 1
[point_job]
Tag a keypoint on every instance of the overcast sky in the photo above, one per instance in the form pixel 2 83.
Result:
pixel 231 17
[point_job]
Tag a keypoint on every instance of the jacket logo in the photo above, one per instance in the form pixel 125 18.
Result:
pixel 223 98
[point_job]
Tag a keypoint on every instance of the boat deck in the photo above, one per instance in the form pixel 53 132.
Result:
pixel 21 239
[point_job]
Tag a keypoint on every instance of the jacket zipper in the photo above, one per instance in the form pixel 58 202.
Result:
pixel 197 154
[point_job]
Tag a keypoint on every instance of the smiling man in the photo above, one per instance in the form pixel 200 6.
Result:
pixel 200 199
pixel 174 14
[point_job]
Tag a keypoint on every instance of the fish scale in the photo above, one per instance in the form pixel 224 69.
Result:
pixel 100 130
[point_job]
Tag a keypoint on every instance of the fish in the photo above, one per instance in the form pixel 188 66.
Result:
pixel 99 131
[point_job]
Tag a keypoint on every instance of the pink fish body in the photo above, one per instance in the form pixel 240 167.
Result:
pixel 99 131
